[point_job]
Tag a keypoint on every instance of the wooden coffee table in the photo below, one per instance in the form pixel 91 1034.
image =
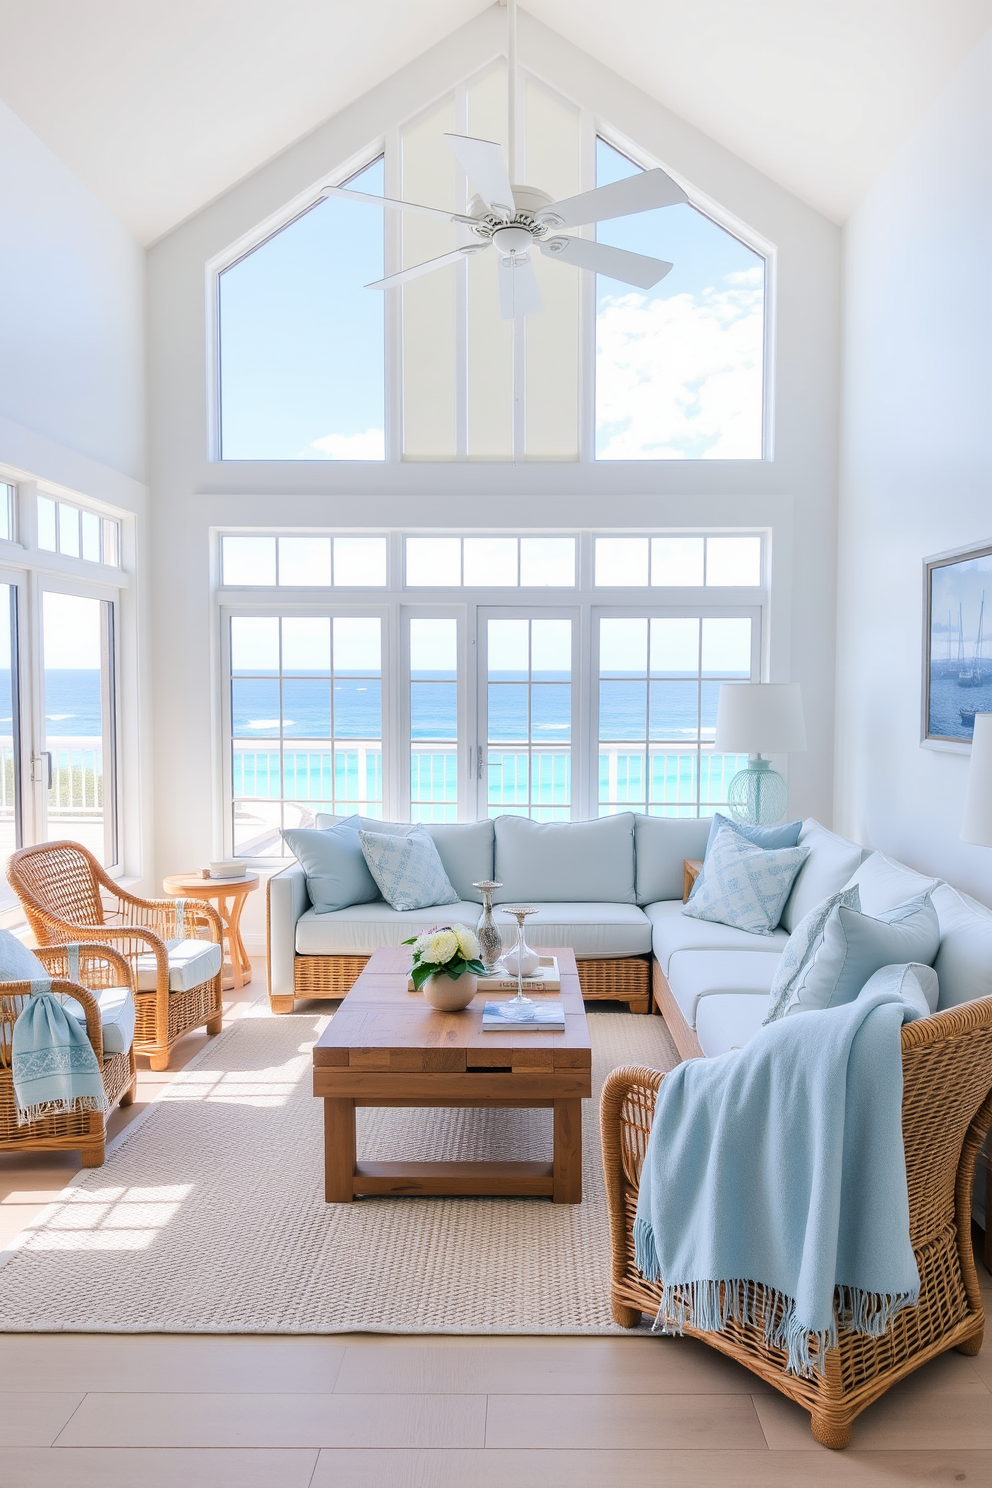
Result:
pixel 386 1047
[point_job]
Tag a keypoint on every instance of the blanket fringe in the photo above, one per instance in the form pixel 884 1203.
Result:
pixel 43 1109
pixel 710 1305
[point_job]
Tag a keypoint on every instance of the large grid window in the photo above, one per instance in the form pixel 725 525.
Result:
pixel 306 723
pixel 465 701
pixel 659 681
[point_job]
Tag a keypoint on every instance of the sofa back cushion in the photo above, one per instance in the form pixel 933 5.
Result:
pixel 964 960
pixel 556 861
pixel 830 862
pixel 661 844
pixel 883 883
pixel 465 848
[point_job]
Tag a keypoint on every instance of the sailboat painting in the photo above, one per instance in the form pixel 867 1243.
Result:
pixel 958 663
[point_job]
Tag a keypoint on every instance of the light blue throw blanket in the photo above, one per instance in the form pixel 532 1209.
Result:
pixel 52 1062
pixel 783 1163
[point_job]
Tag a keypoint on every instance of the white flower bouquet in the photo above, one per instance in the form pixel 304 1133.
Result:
pixel 447 950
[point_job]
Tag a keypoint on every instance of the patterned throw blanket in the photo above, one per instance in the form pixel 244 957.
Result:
pixel 783 1163
pixel 54 1068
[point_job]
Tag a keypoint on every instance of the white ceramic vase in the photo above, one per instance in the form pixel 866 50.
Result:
pixel 450 994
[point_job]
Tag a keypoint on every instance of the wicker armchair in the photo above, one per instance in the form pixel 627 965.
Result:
pixel 80 1131
pixel 67 896
pixel 947 1107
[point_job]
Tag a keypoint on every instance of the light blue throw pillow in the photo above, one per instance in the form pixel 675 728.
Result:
pixel 915 984
pixel 17 962
pixel 333 861
pixel 407 869
pixel 800 949
pixel 785 834
pixel 854 946
pixel 743 886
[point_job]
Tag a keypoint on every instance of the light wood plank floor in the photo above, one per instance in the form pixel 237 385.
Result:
pixel 375 1412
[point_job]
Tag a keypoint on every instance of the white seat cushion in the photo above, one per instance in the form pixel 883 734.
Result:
pixel 695 975
pixel 673 931
pixel 591 930
pixel 191 962
pixel 728 1021
pixel 116 1015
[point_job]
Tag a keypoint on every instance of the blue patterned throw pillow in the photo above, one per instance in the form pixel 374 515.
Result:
pixel 742 885
pixel 407 869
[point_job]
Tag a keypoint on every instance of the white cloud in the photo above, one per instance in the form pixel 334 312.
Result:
pixel 368 446
pixel 681 378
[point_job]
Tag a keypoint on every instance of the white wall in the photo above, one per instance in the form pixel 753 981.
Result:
pixel 72 399
pixel 71 311
pixel 916 466
pixel 794 493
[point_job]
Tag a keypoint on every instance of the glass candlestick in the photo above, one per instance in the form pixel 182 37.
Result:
pixel 521 954
pixel 487 931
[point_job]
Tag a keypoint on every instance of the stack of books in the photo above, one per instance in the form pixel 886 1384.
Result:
pixel 534 1017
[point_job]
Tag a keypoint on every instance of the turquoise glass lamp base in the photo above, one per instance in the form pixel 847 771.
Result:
pixel 758 795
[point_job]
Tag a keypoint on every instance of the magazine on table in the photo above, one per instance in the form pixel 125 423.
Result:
pixel 538 1017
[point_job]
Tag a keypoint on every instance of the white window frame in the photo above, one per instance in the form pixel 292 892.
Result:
pixel 396 605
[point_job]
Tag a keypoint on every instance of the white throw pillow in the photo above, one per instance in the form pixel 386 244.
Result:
pixel 408 870
pixel 742 885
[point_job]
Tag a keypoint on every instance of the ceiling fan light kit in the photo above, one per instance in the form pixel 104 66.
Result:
pixel 515 219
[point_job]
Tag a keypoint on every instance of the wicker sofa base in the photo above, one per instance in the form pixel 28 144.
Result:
pixel 621 979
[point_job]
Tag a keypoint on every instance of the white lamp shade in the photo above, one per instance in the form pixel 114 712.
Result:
pixel 759 718
pixel 977 825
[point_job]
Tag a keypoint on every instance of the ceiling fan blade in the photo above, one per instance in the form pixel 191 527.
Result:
pixel 483 163
pixel 427 267
pixel 638 193
pixel 391 201
pixel 617 263
pixel 518 291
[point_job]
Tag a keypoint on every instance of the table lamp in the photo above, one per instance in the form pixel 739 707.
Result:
pixel 759 718
pixel 977 824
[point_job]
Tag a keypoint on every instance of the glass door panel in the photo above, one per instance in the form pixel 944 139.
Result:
pixel 434 720
pixel 527 720
pixel 80 724
pixel 10 771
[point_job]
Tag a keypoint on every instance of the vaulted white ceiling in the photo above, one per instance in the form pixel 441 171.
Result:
pixel 160 106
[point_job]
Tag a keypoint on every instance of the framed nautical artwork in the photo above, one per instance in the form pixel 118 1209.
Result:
pixel 957 644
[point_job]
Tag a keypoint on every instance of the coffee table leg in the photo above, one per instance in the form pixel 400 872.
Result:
pixel 567 1152
pixel 339 1151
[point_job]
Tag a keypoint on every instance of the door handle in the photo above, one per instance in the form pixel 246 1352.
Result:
pixel 481 766
pixel 36 759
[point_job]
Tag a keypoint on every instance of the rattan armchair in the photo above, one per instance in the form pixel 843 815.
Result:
pixel 947 1107
pixel 79 1131
pixel 67 896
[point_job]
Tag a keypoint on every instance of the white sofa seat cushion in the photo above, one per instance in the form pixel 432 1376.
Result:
pixel 673 931
pixel 116 1016
pixel 696 975
pixel 363 928
pixel 191 962
pixel 591 930
pixel 728 1021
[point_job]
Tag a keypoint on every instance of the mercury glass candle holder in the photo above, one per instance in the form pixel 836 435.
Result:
pixel 487 931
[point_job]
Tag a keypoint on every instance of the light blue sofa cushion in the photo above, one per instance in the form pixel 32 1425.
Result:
pixel 743 886
pixel 661 844
pixel 673 932
pixel 465 848
pixel 407 869
pixel 964 962
pixel 785 834
pixel 590 861
pixel 116 1017
pixel 332 859
pixel 854 946
pixel 802 947
pixel 915 984
pixel 17 962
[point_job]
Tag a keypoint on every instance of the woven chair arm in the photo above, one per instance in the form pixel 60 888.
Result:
pixel 14 997
pixel 626 1111
pixel 99 965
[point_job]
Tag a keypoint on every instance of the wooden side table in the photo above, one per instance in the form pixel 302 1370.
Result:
pixel 230 894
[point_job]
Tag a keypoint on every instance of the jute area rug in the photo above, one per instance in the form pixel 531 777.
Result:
pixel 209 1217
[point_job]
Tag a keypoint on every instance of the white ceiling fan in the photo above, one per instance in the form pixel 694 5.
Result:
pixel 514 219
